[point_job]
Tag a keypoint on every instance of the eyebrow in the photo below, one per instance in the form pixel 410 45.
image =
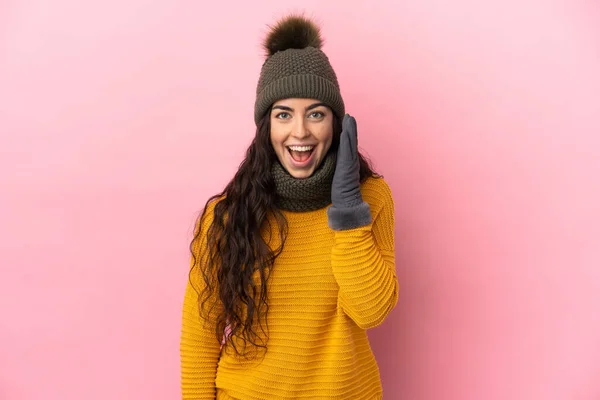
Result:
pixel 286 108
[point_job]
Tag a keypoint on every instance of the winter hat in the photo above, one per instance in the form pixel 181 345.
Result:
pixel 296 67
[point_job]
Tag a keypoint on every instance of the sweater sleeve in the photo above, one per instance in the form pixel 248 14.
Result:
pixel 199 347
pixel 363 262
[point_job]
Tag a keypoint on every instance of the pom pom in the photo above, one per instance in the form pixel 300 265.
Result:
pixel 292 32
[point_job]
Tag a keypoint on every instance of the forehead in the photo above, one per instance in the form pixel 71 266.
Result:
pixel 296 102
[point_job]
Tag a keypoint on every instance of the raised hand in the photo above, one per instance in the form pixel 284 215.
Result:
pixel 348 209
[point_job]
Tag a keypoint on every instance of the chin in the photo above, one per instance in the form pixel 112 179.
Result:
pixel 301 174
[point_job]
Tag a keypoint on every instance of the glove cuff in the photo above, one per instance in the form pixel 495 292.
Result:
pixel 349 218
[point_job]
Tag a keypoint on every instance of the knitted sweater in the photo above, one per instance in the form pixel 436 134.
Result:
pixel 325 289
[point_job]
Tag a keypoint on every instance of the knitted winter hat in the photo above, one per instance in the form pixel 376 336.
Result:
pixel 296 67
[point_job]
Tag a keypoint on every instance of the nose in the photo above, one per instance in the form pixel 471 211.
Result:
pixel 300 130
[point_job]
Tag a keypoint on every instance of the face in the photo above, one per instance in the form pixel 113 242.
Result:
pixel 301 134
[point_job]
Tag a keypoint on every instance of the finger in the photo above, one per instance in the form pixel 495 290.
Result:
pixel 345 150
pixel 353 134
pixel 345 122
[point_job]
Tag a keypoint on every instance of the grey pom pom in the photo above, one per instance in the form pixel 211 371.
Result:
pixel 292 32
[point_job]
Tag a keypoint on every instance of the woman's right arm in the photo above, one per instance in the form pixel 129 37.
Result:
pixel 199 347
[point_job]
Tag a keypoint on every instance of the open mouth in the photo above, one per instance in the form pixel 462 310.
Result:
pixel 301 154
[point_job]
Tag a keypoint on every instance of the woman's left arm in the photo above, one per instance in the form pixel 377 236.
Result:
pixel 363 263
pixel 362 257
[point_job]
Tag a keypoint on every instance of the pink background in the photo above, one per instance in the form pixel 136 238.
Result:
pixel 119 118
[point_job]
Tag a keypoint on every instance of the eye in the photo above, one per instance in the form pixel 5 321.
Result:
pixel 316 114
pixel 283 115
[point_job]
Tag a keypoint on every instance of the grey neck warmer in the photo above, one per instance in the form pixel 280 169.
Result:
pixel 306 194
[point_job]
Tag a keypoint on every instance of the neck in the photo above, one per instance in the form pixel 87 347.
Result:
pixel 306 194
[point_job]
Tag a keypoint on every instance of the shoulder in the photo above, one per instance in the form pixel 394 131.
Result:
pixel 376 191
pixel 206 216
pixel 378 194
pixel 212 203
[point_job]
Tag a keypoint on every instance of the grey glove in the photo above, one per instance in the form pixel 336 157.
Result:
pixel 348 210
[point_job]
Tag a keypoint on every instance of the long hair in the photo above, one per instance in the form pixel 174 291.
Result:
pixel 236 253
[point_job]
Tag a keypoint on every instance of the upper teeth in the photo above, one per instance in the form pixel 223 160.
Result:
pixel 301 148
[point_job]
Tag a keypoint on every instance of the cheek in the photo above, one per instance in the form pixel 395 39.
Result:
pixel 327 147
pixel 326 138
pixel 274 138
pixel 277 138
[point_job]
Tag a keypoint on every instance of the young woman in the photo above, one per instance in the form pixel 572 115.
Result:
pixel 294 260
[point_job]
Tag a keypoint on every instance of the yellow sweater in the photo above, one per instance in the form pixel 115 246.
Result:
pixel 326 288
